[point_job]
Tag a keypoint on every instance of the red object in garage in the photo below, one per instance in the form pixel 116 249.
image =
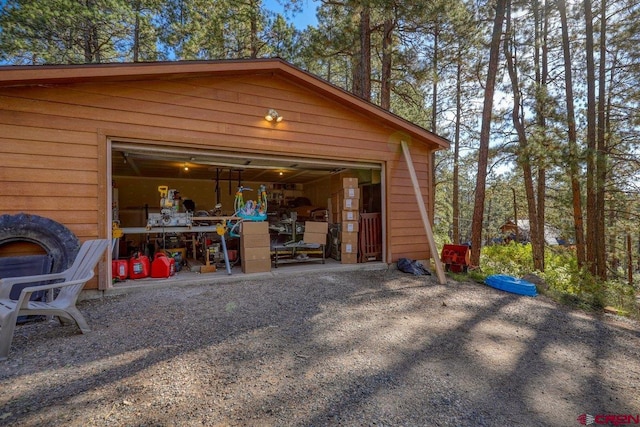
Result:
pixel 139 266
pixel 120 269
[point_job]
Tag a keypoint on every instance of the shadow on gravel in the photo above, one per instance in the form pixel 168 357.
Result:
pixel 357 348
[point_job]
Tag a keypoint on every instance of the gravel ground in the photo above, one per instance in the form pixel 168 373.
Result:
pixel 358 348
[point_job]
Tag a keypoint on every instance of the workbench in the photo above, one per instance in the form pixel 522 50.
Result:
pixel 293 250
pixel 192 229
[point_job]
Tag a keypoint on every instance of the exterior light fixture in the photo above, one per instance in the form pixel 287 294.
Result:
pixel 273 116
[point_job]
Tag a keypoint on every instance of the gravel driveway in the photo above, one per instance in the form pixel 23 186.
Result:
pixel 351 348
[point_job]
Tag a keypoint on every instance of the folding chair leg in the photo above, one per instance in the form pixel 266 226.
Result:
pixel 79 319
pixel 6 334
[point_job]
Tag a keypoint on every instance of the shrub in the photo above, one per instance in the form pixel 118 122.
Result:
pixel 513 259
pixel 566 282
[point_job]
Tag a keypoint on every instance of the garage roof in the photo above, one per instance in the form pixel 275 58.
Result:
pixel 65 74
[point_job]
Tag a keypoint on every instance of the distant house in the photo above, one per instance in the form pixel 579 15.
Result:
pixel 523 232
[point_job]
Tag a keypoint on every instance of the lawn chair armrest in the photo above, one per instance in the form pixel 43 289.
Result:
pixel 7 283
pixel 25 294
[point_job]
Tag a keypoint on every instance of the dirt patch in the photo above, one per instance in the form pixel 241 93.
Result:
pixel 323 349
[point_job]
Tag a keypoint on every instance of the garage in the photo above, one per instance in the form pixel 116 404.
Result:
pixel 84 145
pixel 206 183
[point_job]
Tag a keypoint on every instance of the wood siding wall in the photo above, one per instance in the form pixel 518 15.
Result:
pixel 53 142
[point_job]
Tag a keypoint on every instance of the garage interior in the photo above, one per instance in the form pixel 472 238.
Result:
pixel 205 183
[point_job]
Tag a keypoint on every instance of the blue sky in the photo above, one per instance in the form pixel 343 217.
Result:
pixel 302 19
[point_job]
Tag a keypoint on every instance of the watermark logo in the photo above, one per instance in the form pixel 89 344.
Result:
pixel 586 419
pixel 609 419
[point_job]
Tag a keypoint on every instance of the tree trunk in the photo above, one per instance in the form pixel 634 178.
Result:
pixel 592 237
pixel 136 33
pixel 362 69
pixel 574 169
pixel 541 107
pixel 387 46
pixel 253 13
pixel 434 84
pixel 601 166
pixel 456 151
pixel 485 133
pixel 524 157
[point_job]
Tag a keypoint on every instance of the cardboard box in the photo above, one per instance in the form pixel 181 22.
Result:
pixel 349 258
pixel 349 182
pixel 350 216
pixel 255 240
pixel 319 238
pixel 316 227
pixel 349 238
pixel 337 181
pixel 348 248
pixel 252 254
pixel 350 226
pixel 256 266
pixel 251 227
pixel 350 204
pixel 349 193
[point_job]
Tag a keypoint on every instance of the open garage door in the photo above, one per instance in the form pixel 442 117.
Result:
pixel 297 187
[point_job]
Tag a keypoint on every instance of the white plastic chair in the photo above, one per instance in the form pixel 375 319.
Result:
pixel 63 305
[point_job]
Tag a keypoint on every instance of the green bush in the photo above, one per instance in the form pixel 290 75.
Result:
pixel 566 283
pixel 513 259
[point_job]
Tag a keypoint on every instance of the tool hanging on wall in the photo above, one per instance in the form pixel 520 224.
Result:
pixel 217 186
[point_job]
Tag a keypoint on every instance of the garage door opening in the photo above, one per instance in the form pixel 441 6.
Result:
pixel 205 183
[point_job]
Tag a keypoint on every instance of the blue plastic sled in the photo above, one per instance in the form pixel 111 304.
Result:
pixel 511 284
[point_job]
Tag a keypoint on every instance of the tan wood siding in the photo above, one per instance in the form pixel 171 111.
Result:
pixel 406 235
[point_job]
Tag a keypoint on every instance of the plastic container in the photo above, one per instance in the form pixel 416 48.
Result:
pixel 139 266
pixel 120 269
pixel 162 266
pixel 177 258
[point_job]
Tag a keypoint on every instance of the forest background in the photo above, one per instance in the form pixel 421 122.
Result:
pixel 539 99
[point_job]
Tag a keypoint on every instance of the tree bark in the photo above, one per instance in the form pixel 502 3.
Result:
pixel 601 150
pixel 485 133
pixel 541 107
pixel 574 171
pixel 524 156
pixel 387 46
pixel 592 237
pixel 362 69
pixel 456 151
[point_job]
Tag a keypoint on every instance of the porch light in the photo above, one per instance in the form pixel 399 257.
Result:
pixel 273 116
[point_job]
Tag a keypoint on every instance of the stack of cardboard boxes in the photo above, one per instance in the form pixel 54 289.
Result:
pixel 346 204
pixel 315 232
pixel 255 249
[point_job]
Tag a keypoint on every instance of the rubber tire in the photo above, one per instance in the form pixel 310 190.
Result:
pixel 59 242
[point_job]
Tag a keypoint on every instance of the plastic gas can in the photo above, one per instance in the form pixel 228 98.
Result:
pixel 162 266
pixel 120 269
pixel 139 266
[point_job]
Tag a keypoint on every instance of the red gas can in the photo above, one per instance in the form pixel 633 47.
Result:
pixel 162 266
pixel 139 266
pixel 120 269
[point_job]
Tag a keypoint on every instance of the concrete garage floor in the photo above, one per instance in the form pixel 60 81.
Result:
pixel 188 278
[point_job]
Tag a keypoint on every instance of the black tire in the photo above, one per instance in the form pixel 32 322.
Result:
pixel 59 242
